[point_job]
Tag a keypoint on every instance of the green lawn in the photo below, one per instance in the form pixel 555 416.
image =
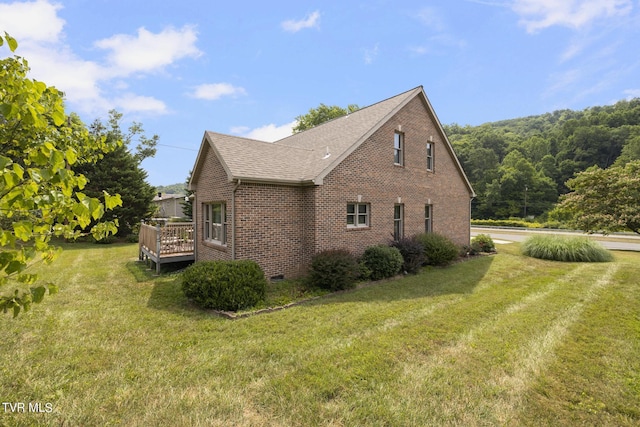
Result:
pixel 497 340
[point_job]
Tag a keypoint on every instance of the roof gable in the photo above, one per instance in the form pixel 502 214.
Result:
pixel 307 157
pixel 332 141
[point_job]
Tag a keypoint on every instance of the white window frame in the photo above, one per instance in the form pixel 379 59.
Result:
pixel 398 221
pixel 428 218
pixel 398 148
pixel 430 150
pixel 215 229
pixel 359 215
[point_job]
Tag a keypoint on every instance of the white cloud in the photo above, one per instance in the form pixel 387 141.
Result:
pixel 93 87
pixel 371 54
pixel 418 50
pixel 32 21
pixel 563 81
pixel 269 133
pixel 631 93
pixel 149 52
pixel 130 102
pixel 436 23
pixel 310 21
pixel 78 78
pixel 239 130
pixel 213 91
pixel 537 15
pixel 432 18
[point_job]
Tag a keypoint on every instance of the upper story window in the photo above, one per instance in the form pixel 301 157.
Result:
pixel 215 227
pixel 398 148
pixel 430 156
pixel 357 215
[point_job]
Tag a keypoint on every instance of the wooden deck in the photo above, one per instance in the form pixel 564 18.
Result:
pixel 173 242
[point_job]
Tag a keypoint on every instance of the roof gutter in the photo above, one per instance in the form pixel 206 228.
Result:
pixel 289 182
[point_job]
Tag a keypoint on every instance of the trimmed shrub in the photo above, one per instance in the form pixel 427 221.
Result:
pixel 483 243
pixel 412 252
pixel 225 285
pixel 107 240
pixel 511 222
pixel 132 238
pixel 562 248
pixel 363 271
pixel 334 269
pixel 382 261
pixel 438 249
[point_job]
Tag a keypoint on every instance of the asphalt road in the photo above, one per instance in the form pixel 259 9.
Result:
pixel 615 242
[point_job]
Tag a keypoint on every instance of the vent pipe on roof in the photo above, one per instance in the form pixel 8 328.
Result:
pixel 327 154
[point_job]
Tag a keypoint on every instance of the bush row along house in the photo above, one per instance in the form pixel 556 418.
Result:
pixel 382 172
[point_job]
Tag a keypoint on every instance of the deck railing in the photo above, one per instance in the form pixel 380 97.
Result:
pixel 173 238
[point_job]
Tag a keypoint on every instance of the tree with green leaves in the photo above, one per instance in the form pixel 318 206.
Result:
pixel 323 113
pixel 604 200
pixel 40 195
pixel 120 171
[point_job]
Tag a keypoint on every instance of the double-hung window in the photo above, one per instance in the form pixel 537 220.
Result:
pixel 430 156
pixel 398 148
pixel 214 223
pixel 398 221
pixel 428 217
pixel 357 215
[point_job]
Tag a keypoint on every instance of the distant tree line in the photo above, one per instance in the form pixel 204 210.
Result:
pixel 521 167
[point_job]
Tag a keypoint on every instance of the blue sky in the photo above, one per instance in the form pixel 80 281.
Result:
pixel 249 68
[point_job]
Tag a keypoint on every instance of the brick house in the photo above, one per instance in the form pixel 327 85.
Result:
pixel 359 180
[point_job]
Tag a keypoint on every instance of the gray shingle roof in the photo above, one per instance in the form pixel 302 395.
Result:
pixel 302 158
pixel 249 159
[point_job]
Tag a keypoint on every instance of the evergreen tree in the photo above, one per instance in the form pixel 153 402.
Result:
pixel 120 172
pixel 187 206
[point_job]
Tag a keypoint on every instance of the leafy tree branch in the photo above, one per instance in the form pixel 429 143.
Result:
pixel 40 195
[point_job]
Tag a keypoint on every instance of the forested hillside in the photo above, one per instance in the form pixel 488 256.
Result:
pixel 519 167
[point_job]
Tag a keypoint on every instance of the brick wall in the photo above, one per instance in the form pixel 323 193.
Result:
pixel 282 227
pixel 271 221
pixel 270 228
pixel 212 186
pixel 370 172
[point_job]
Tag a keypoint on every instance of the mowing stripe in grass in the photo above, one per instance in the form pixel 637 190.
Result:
pixel 134 352
pixel 414 321
pixel 539 351
pixel 455 363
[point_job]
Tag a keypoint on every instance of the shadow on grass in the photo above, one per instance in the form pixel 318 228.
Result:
pixel 145 273
pixel 86 246
pixel 166 293
pixel 459 278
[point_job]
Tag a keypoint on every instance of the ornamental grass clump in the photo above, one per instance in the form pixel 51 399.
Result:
pixel 567 249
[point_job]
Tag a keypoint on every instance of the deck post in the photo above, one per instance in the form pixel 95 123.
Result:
pixel 158 247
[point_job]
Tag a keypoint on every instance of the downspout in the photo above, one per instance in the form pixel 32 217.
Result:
pixel 470 202
pixel 194 217
pixel 233 219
